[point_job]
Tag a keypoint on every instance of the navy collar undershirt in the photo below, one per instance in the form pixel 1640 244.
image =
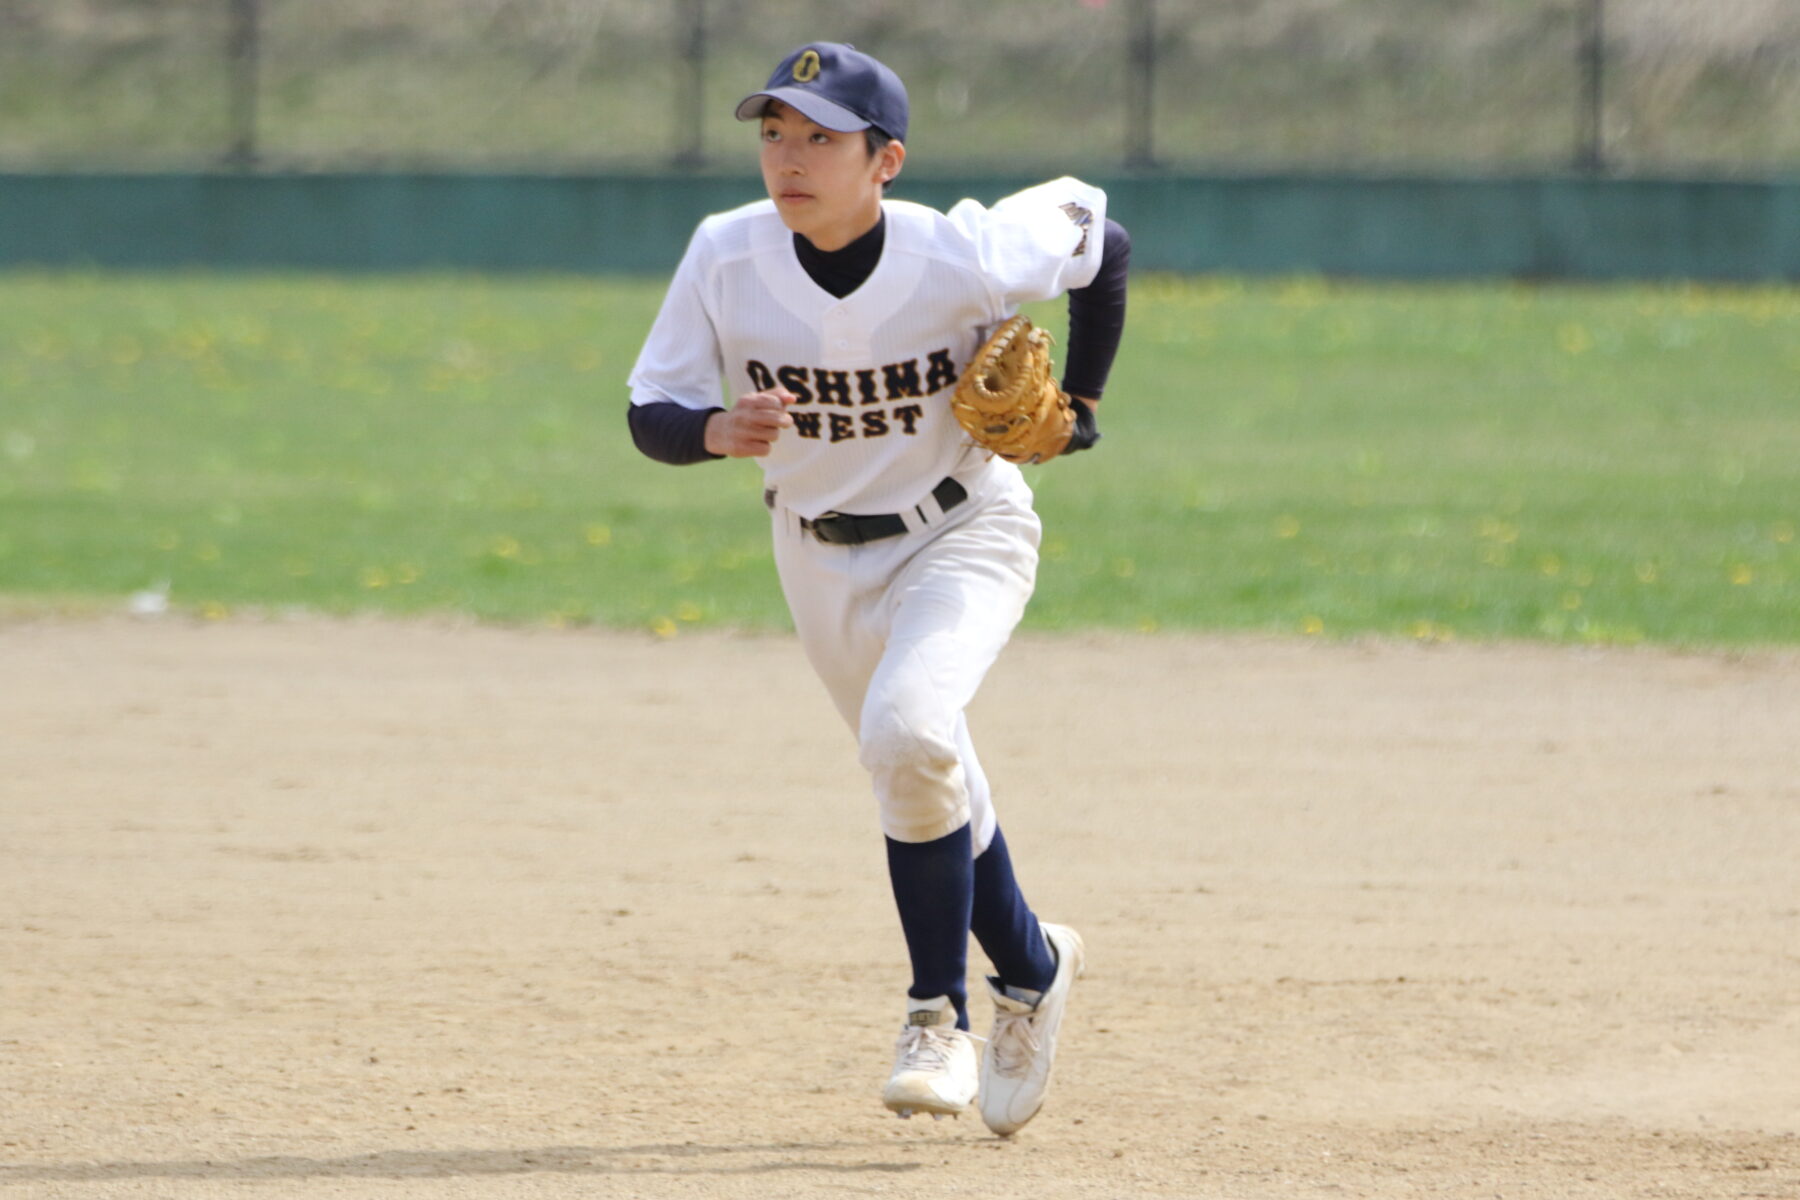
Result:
pixel 841 272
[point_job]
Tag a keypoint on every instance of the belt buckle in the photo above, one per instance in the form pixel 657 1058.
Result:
pixel 842 527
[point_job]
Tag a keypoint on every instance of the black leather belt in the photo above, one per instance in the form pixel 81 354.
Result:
pixel 848 529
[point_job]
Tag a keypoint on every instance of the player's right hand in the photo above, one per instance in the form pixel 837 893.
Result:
pixel 748 429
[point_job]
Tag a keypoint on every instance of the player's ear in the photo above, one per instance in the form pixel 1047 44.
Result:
pixel 893 155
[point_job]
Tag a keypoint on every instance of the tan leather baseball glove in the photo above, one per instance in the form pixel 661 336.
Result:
pixel 1008 399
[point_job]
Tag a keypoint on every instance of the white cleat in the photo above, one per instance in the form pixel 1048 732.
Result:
pixel 935 1069
pixel 1015 1065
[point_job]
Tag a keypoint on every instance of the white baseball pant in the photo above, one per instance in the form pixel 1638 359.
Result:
pixel 903 630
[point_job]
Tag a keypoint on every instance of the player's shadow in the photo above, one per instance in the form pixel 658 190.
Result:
pixel 655 1159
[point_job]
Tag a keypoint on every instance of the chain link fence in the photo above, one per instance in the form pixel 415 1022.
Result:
pixel 1661 87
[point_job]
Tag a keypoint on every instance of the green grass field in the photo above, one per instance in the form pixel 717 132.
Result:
pixel 1572 464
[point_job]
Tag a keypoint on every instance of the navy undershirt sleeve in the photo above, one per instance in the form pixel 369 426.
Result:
pixel 671 433
pixel 1097 318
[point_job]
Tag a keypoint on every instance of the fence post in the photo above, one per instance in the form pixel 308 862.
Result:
pixel 1140 85
pixel 1590 150
pixel 690 85
pixel 243 49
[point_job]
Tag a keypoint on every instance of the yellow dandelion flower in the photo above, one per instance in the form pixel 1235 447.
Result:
pixel 1781 531
pixel 1301 293
pixel 664 628
pixel 1646 572
pixel 1287 526
pixel 1312 626
pixel 1571 601
pixel 599 535
pixel 1148 625
pixel 687 610
pixel 1742 574
pixel 1550 565
pixel 373 577
pixel 41 343
pixel 192 343
pixel 504 547
pixel 212 610
pixel 1574 338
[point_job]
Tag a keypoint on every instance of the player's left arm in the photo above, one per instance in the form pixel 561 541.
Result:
pixel 1096 325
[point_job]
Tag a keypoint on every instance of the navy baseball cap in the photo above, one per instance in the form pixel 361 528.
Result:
pixel 837 86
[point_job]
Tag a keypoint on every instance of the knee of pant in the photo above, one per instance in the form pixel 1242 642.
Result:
pixel 918 780
pixel 888 741
pixel 921 804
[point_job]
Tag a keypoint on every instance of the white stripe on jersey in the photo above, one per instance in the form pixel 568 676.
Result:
pixel 873 371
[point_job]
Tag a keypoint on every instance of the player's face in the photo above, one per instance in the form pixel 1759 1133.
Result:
pixel 825 184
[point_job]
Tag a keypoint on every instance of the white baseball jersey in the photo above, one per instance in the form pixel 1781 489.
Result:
pixel 871 372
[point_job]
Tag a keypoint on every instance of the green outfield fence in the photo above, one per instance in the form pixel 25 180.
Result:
pixel 1552 227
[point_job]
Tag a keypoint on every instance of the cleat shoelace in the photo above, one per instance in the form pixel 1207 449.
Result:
pixel 923 1048
pixel 1014 1043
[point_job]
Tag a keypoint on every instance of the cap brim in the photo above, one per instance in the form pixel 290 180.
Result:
pixel 811 105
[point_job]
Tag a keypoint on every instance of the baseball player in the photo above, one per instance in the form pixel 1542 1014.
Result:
pixel 838 322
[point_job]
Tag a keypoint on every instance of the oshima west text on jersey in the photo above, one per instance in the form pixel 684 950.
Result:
pixel 868 371
pixel 886 384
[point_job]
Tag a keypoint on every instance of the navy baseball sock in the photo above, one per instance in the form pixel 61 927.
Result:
pixel 1004 924
pixel 933 885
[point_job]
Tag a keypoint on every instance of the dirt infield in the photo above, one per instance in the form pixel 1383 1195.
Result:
pixel 402 910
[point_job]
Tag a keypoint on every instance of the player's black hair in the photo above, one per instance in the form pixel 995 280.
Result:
pixel 876 140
